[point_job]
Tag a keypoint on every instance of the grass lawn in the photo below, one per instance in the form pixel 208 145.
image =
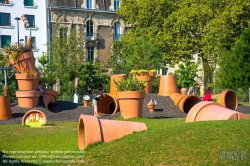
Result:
pixel 168 141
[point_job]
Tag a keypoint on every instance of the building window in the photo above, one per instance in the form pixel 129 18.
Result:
pixel 28 3
pixel 90 53
pixel 164 71
pixel 33 42
pixel 116 4
pixel 4 1
pixel 4 19
pixel 31 20
pixel 5 40
pixel 89 4
pixel 90 30
pixel 117 32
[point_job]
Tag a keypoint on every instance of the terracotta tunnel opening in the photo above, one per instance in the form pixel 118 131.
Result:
pixel 108 105
pixel 81 135
pixel 190 102
pixel 231 101
pixel 51 106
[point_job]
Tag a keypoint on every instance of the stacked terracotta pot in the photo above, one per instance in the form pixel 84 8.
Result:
pixel 27 80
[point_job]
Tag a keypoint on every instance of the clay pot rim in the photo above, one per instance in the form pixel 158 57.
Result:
pixel 30 111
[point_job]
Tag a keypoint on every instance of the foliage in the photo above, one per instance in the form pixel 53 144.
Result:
pixel 12 53
pixel 186 73
pixel 46 69
pixel 135 52
pixel 234 71
pixel 130 84
pixel 93 77
pixel 180 29
pixel 155 85
pixel 65 56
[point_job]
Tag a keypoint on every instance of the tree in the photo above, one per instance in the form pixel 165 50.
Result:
pixel 186 73
pixel 135 52
pixel 46 69
pixel 93 77
pixel 234 71
pixel 181 29
pixel 66 55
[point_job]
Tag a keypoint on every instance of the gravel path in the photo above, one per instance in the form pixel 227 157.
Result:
pixel 69 111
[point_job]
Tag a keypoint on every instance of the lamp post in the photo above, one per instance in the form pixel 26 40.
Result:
pixel 17 19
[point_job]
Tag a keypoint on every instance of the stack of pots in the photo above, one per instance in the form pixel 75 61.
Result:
pixel 27 80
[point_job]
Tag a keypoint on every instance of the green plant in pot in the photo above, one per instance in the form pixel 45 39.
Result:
pixel 130 94
pixel 18 54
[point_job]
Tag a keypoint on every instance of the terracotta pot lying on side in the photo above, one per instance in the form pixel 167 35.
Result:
pixel 108 105
pixel 49 98
pixel 184 102
pixel 227 99
pixel 92 130
pixel 168 85
pixel 207 110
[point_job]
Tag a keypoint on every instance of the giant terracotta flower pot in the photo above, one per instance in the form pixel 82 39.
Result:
pixel 107 105
pixel 149 79
pixel 184 102
pixel 167 85
pixel 92 130
pixel 28 99
pixel 27 82
pixel 116 78
pixel 227 99
pixel 25 62
pixel 207 110
pixel 5 108
pixel 49 98
pixel 131 103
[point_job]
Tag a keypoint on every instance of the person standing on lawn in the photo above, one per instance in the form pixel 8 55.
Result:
pixel 95 101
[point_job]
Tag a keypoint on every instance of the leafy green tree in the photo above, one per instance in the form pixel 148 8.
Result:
pixel 181 29
pixel 135 52
pixel 234 71
pixel 46 69
pixel 65 54
pixel 93 77
pixel 186 73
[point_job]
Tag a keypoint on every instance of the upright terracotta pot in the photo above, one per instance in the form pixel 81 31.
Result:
pixel 25 62
pixel 5 108
pixel 85 103
pixel 115 77
pixel 131 103
pixel 227 99
pixel 149 79
pixel 49 98
pixel 92 130
pixel 107 105
pixel 207 110
pixel 28 99
pixel 27 82
pixel 167 85
pixel 184 102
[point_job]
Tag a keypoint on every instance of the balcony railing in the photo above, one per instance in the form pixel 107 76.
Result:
pixel 91 36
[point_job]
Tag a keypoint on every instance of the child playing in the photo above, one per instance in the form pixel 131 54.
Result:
pixel 95 101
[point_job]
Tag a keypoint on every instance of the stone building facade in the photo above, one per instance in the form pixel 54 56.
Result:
pixel 95 21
